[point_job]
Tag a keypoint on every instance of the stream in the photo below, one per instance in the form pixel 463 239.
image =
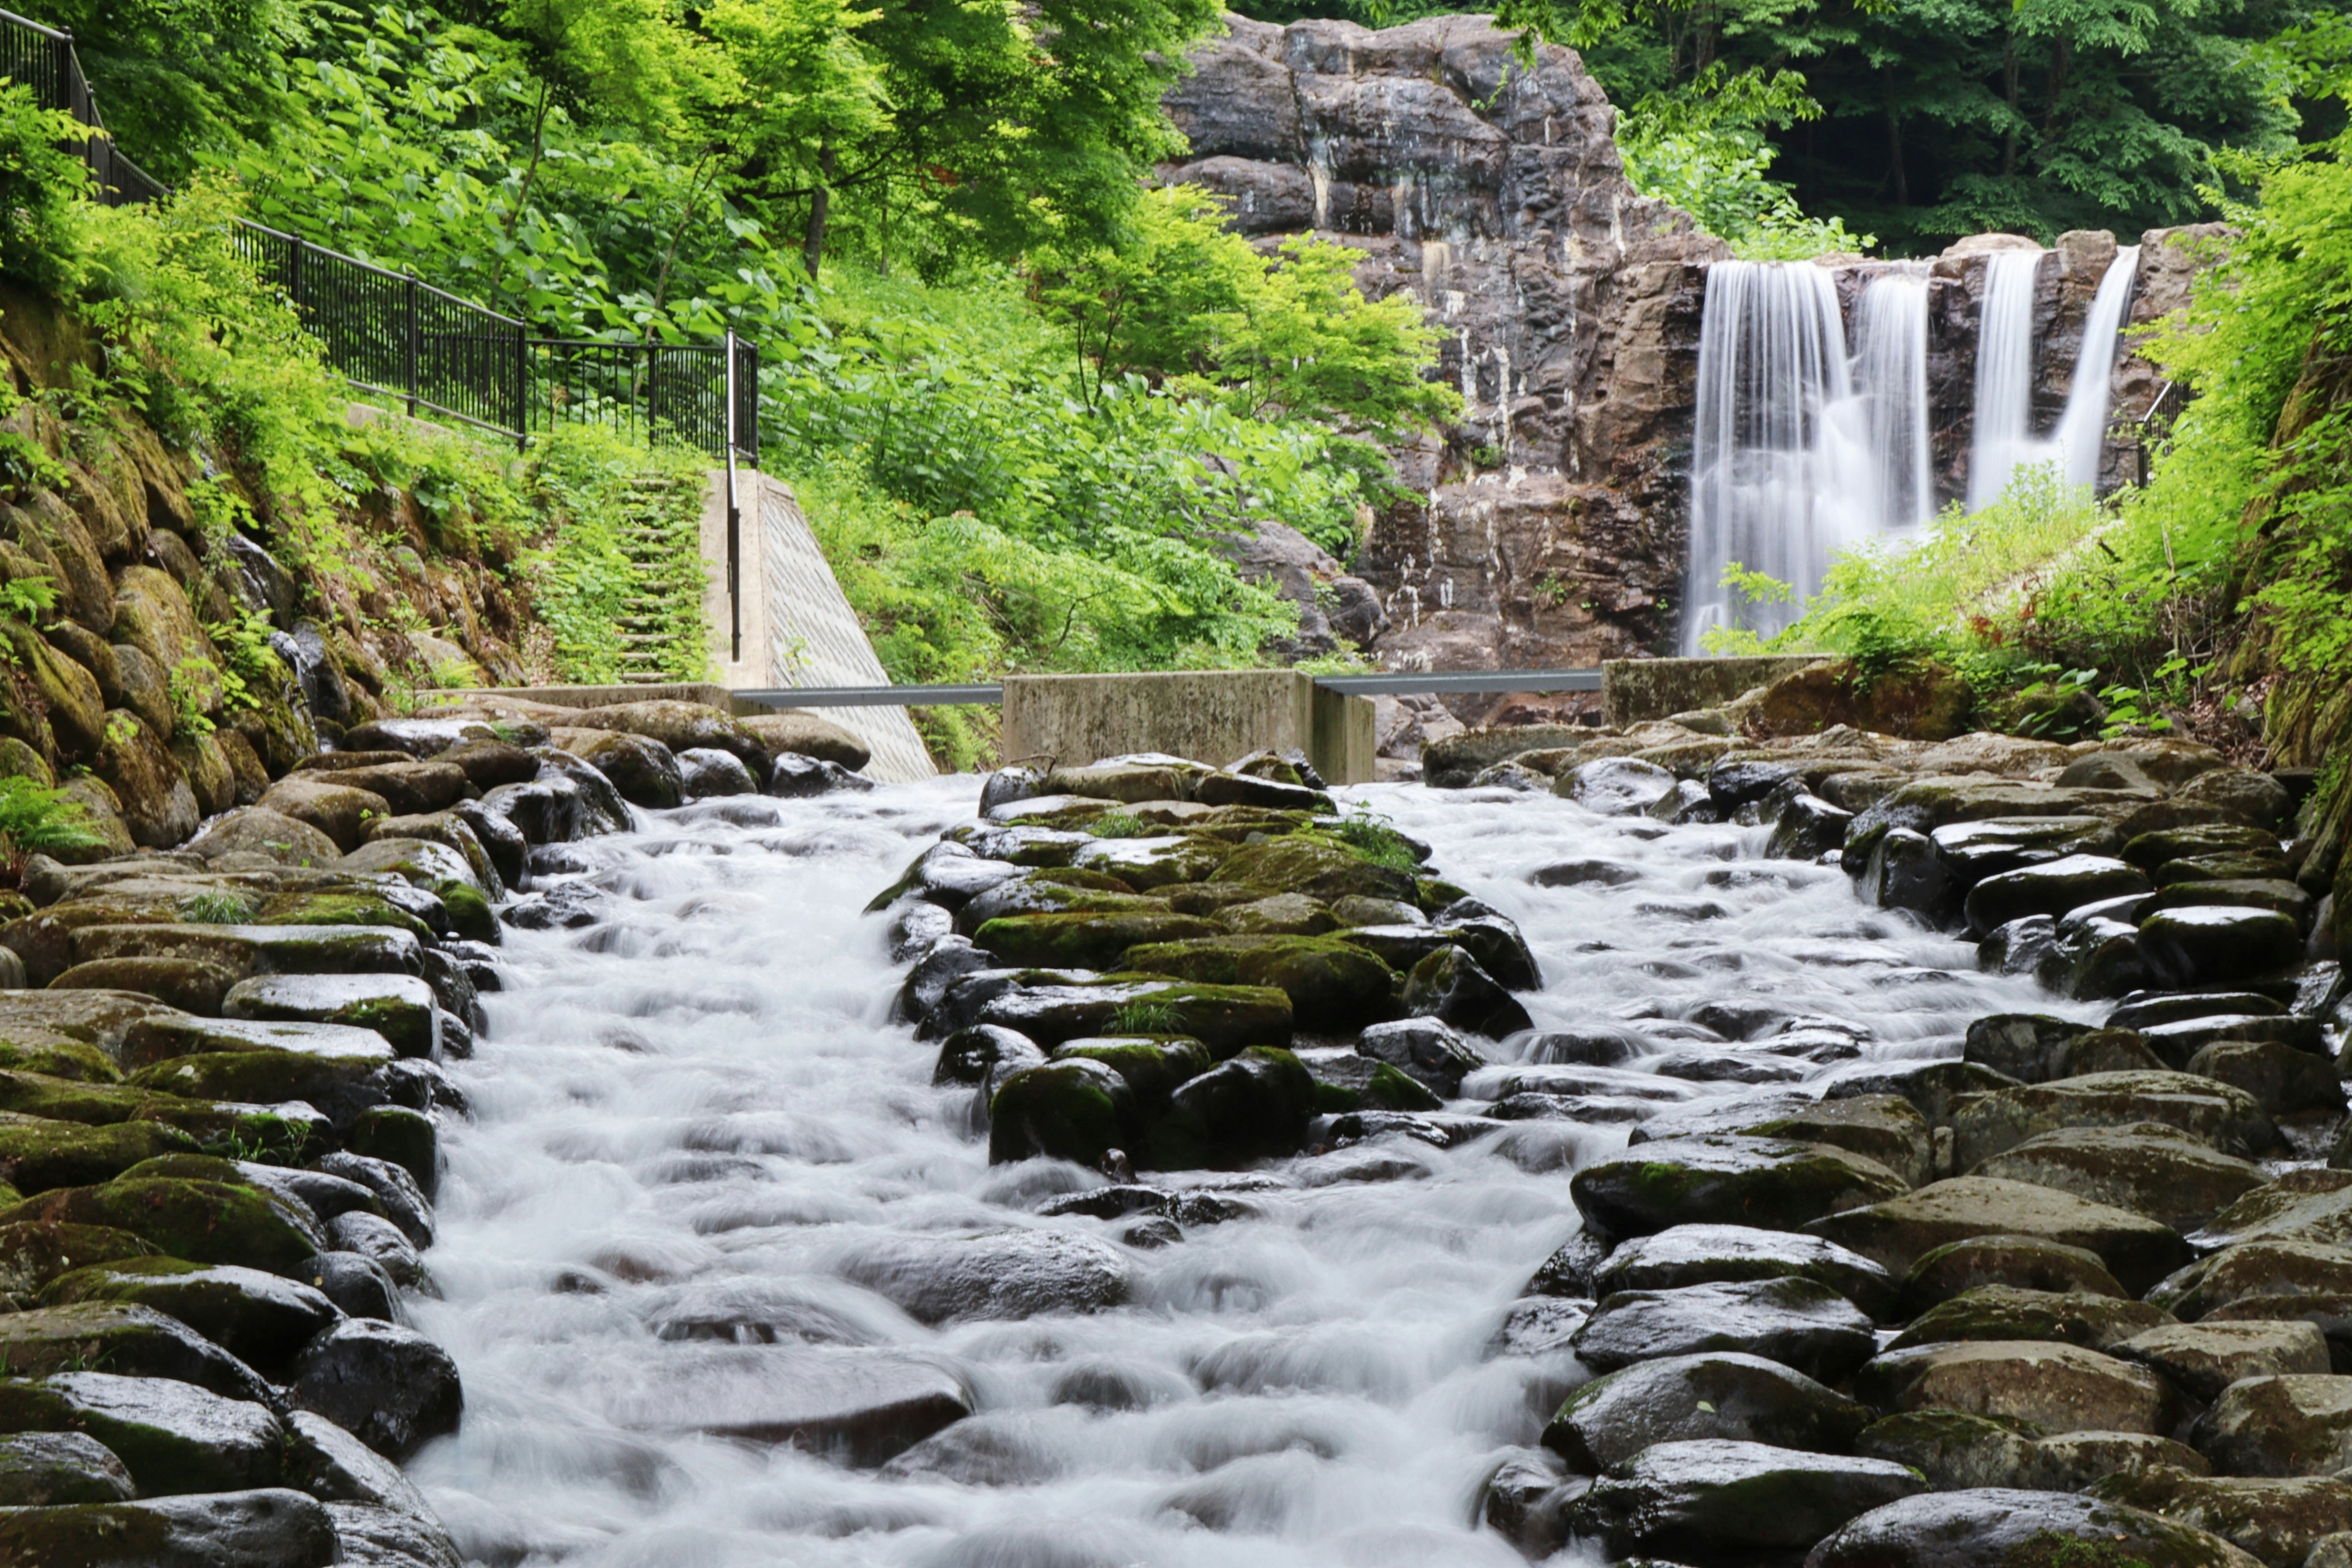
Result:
pixel 687 1114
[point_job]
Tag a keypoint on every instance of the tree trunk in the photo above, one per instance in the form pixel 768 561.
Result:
pixel 820 211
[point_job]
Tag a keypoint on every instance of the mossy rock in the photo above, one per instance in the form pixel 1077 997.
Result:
pixel 401 1137
pixel 1254 1107
pixel 1333 985
pixel 191 984
pixel 1390 1090
pixel 206 1222
pixel 117 1338
pixel 56 1055
pixel 338 908
pixel 1076 1109
pixel 1225 1018
pixel 1299 864
pixel 470 915
pixel 1153 1065
pixel 100 1105
pixel 400 1008
pixel 263 1319
pixel 1772 1184
pixel 35 1155
pixel 2008 1312
pixel 2150 851
pixel 342 1087
pixel 33 1253
pixel 41 1470
pixel 174 1438
pixel 1283 914
pixel 1083 941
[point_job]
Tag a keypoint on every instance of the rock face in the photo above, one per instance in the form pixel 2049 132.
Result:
pixel 1552 529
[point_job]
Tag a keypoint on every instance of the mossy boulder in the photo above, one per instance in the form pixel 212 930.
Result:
pixel 158 808
pixel 341 949
pixel 1921 700
pixel 174 1437
pixel 342 1087
pixel 643 770
pixel 1719 1394
pixel 115 1337
pixel 2146 1168
pixel 2008 1312
pixel 1085 939
pixel 1152 1066
pixel 338 810
pixel 399 1136
pixel 337 907
pixel 1077 1109
pixel 204 1222
pixel 260 830
pixel 57 1056
pixel 263 1319
pixel 70 693
pixel 1321 871
pixel 47 1468
pixel 98 1105
pixel 1225 1018
pixel 33 1253
pixel 402 1009
pixel 1769 1183
pixel 803 734
pixel 2151 851
pixel 192 985
pixel 1254 1107
pixel 2219 945
pixel 2212 1113
pixel 1901 1230
pixel 207 768
pixel 37 1156
pixel 1451 986
pixel 1332 986
pixel 1283 914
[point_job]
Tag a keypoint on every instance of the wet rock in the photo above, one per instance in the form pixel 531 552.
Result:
pixel 389 1187
pixel 2301 1205
pixel 1256 1106
pixel 1711 1500
pixel 487 763
pixel 2026 1262
pixel 1796 1322
pixel 2093 956
pixel 1898 1232
pixel 2212 945
pixel 355 1283
pixel 402 1009
pixel 1091 940
pixel 1525 1500
pixel 1225 1018
pixel 2071 1461
pixel 2020 1044
pixel 375 1237
pixel 1331 984
pixel 206 1222
pixel 1722 1395
pixel 1424 1049
pixel 189 983
pixel 261 1318
pixel 1076 1109
pixel 2277 1520
pixel 1934 1088
pixel 270 1528
pixel 1297 865
pixel 2224 1118
pixel 645 773
pixel 158 808
pixel 37 1156
pixel 2052 889
pixel 338 810
pixel 2146 1168
pixel 1450 987
pixel 2282 1080
pixel 1284 914
pixel 554 808
pixel 340 1086
pixel 1709 1254
pixel 1616 786
pixel 2021 947
pixel 2055 1386
pixel 371 1537
pixel 2000 1527
pixel 2202 1359
pixel 806 735
pixel 410 788
pixel 174 1437
pixel 1807 828
pixel 2255 796
pixel 2182 1038
pixel 2008 1312
pixel 44 1469
pixel 985 1054
pixel 2105 1050
pixel 2279 1426
pixel 1953 1450
pixel 1882 1127
pixel 1903 871
pixel 2255 1271
pixel 1993 847
pixel 1770 1183
pixel 994 1275
pixel 391 1387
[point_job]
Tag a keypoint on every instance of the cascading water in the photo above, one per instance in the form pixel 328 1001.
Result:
pixel 694 1129
pixel 1796 452
pixel 1890 376
pixel 2001 438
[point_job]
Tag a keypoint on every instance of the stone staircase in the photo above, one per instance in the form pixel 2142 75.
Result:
pixel 650 619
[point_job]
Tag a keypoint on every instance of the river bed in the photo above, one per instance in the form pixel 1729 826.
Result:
pixel 689 1116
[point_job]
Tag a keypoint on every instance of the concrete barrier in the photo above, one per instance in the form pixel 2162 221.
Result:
pixel 1214 716
pixel 1635 690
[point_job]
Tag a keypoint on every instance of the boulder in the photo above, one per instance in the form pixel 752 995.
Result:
pixel 2214 1113
pixel 1900 1231
pixel 1616 786
pixel 173 1436
pixel 1334 986
pixel 1721 1394
pixel 268 1527
pixel 2257 1271
pixel 399 1007
pixel 204 1222
pixel 1073 1110
pixel 2203 1359
pixel 804 734
pixel 259 1318
pixel 131 1341
pixel 1091 938
pixel 2146 1168
pixel 800 778
pixel 487 761
pixel 338 810
pixel 2279 1426
pixel 991 1275
pixel 2027 1262
pixel 1423 1048
pixel 2002 1528
pixel 643 770
pixel 1777 1185
pixel 2278 1519
pixel 705 772
pixel 1794 1320
pixel 2055 1386
pixel 1953 1450
pixel 2255 796
pixel 43 1468
pixel 2008 1312
pixel 189 983
pixel 677 726
pixel 1253 1107
pixel 1453 987
pixel 411 788
pixel 258 830
pixel 158 808
pixel 2052 889
pixel 37 1156
pixel 2217 945
pixel 1711 1500
pixel 1710 1253
pixel 2280 1079
pixel 2301 1205
pixel 391 1387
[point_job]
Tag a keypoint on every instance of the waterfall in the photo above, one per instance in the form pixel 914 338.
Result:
pixel 2002 437
pixel 2082 432
pixel 1797 454
pixel 1890 376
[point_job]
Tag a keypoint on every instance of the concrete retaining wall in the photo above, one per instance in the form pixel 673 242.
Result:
pixel 1635 690
pixel 1212 716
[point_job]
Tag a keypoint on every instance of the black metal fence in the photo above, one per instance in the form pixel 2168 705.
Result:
pixel 397 337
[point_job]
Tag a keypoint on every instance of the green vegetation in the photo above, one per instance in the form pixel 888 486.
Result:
pixel 38 821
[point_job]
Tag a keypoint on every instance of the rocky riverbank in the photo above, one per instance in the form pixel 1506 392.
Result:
pixel 2066 1274
pixel 223 1078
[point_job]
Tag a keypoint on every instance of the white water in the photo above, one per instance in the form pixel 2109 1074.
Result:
pixel 2003 440
pixel 1798 453
pixel 694 1110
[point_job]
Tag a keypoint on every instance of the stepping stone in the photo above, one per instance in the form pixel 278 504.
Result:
pixel 1775 1184
pixel 174 1437
pixel 1998 1527
pixel 2203 1359
pixel 1798 1323
pixel 1712 1254
pixel 2277 1520
pixel 2057 1387
pixel 1711 1500
pixel 2005 1312
pixel 2146 1168
pixel 1900 1231
pixel 2212 1113
pixel 863 1406
pixel 1719 1394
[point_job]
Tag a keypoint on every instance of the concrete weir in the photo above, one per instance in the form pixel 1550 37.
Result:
pixel 1224 714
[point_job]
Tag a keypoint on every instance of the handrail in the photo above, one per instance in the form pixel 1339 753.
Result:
pixel 984 693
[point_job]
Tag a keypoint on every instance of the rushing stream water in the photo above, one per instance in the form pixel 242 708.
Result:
pixel 690 1112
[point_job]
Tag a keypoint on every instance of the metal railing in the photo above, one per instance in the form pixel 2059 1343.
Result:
pixel 1383 683
pixel 394 336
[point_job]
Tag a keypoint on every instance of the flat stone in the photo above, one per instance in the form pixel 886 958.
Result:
pixel 862 1407
pixel 1774 1183
pixel 2144 1168
pixel 2003 1528
pixel 167 1039
pixel 1712 1254
pixel 174 1437
pixel 1710 1500
pixel 1796 1322
pixel 2212 1113
pixel 2007 1312
pixel 132 1340
pixel 265 1528
pixel 1882 1127
pixel 372 1537
pixel 2279 1519
pixel 1935 1087
pixel 401 1009
pixel 2051 887
pixel 2203 1359
pixel 2279 1426
pixel 2211 945
pixel 994 1275
pixel 2055 1386
pixel 2071 1461
pixel 37 1156
pixel 1717 1394
pixel 245 950
pixel 1899 1231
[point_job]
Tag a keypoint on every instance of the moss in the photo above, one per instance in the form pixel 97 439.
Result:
pixel 1083 939
pixel 57 1056
pixel 33 1253
pixel 1393 1090
pixel 98 1105
pixel 336 1085
pixel 1074 1109
pixel 470 915
pixel 1332 986
pixel 1152 1067
pixel 338 909
pixel 2049 1548
pixel 209 1222
pixel 38 1156
pixel 1298 864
